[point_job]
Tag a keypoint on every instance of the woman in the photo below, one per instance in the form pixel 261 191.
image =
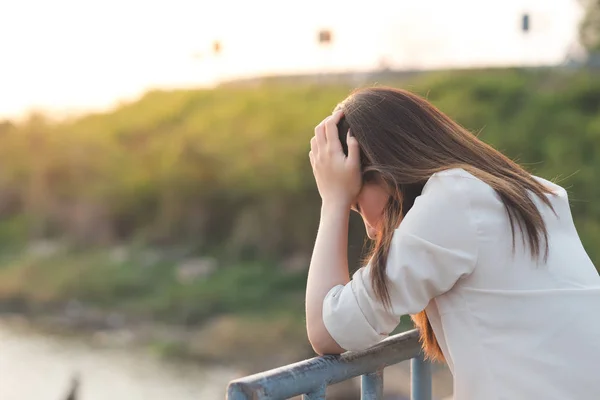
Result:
pixel 482 255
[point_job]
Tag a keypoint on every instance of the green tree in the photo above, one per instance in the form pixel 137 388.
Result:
pixel 589 32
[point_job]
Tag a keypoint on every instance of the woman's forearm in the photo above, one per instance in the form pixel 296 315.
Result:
pixel 328 268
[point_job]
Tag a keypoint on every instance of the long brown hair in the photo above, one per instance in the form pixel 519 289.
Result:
pixel 403 141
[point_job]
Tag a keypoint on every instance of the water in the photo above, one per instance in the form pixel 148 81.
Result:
pixel 35 366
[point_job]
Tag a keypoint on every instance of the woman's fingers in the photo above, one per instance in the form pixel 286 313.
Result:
pixel 331 132
pixel 320 136
pixel 326 135
pixel 353 149
pixel 337 177
pixel 314 147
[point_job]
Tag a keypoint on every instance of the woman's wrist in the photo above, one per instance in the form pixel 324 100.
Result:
pixel 336 206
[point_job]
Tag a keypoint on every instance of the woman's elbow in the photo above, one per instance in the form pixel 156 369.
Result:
pixel 324 349
pixel 323 344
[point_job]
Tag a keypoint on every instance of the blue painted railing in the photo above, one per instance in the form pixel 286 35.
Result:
pixel 311 377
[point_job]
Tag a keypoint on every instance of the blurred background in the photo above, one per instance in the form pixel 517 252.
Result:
pixel 157 206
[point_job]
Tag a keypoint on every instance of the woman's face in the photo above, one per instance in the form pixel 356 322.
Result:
pixel 370 203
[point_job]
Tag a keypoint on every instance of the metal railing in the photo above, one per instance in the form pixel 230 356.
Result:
pixel 310 378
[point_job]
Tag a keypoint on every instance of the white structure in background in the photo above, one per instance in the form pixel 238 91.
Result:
pixel 407 35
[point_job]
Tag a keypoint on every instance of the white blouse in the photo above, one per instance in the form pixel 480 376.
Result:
pixel 510 327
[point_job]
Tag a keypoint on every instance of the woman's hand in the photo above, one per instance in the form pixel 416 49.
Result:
pixel 338 177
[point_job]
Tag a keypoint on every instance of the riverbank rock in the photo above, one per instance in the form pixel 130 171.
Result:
pixel 118 254
pixel 193 269
pixel 45 248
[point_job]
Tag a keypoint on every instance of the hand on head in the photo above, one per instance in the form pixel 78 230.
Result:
pixel 338 176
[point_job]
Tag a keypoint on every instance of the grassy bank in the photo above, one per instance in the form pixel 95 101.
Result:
pixel 248 314
pixel 149 287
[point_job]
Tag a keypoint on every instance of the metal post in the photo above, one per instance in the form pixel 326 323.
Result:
pixel 317 394
pixel 372 386
pixel 420 373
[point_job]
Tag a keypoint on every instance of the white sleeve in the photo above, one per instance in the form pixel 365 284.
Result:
pixel 435 245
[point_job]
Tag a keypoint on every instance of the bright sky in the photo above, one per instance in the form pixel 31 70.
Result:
pixel 76 55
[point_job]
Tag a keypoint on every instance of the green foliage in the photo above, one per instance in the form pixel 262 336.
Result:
pixel 226 172
pixel 151 291
pixel 589 31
